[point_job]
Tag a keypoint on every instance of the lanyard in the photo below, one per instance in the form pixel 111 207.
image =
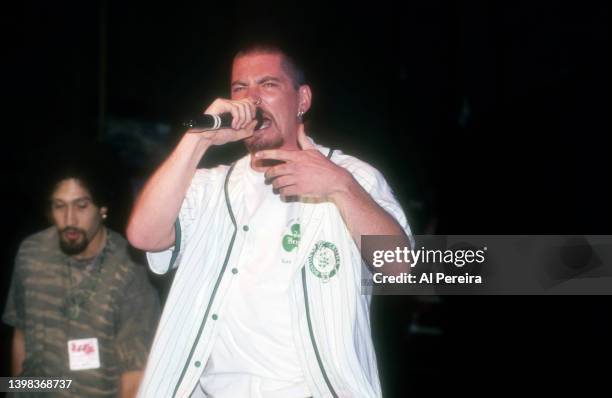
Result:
pixel 78 296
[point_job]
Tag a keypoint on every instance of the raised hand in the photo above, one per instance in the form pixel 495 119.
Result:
pixel 306 173
pixel 243 121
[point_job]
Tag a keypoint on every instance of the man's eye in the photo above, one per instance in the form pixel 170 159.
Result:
pixel 238 88
pixel 57 206
pixel 82 205
pixel 269 84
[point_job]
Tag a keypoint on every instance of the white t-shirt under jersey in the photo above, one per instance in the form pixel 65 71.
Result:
pixel 255 354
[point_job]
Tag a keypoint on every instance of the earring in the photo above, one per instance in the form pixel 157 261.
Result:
pixel 300 114
pixel 104 216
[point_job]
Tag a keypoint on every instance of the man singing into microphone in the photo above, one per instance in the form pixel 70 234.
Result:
pixel 266 301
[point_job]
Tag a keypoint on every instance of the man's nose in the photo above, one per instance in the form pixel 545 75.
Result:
pixel 253 95
pixel 70 217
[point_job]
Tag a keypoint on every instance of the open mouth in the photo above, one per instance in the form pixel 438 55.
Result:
pixel 264 122
pixel 72 235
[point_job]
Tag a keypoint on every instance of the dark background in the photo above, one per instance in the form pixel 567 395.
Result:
pixel 485 118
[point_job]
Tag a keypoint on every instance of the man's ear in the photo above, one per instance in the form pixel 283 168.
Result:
pixel 305 98
pixel 103 212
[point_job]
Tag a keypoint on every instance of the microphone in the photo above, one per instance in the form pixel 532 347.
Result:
pixel 217 122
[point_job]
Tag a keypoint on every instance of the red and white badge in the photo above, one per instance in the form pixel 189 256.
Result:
pixel 84 354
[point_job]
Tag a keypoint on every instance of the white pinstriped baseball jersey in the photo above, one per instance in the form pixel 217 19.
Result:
pixel 329 315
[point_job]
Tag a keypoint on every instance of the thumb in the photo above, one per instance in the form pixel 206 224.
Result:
pixel 303 140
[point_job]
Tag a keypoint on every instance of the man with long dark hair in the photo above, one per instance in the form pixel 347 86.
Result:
pixel 81 308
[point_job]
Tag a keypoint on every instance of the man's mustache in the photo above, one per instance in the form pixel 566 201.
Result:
pixel 72 229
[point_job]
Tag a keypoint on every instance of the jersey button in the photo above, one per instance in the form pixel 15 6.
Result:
pixel 245 228
pixel 234 271
pixel 197 364
pixel 215 317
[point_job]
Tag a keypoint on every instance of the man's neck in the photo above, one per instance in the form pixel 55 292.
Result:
pixel 95 246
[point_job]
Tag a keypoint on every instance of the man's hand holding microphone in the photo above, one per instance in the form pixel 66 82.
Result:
pixel 227 121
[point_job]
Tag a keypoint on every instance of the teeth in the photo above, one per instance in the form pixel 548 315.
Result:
pixel 265 124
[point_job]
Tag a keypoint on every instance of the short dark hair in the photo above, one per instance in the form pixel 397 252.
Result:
pixel 288 63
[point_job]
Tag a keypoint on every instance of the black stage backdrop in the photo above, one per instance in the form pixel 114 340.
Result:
pixel 485 117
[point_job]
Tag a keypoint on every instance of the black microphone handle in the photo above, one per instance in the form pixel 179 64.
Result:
pixel 216 122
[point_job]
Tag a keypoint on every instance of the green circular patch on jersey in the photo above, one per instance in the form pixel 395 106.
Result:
pixel 324 260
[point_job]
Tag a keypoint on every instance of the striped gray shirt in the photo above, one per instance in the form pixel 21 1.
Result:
pixel 117 305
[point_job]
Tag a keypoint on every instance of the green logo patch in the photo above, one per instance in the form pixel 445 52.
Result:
pixel 324 260
pixel 292 240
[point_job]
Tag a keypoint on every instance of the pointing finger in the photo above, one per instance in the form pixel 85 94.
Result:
pixel 303 140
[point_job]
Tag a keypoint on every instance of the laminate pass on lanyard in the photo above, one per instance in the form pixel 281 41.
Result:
pixel 84 354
